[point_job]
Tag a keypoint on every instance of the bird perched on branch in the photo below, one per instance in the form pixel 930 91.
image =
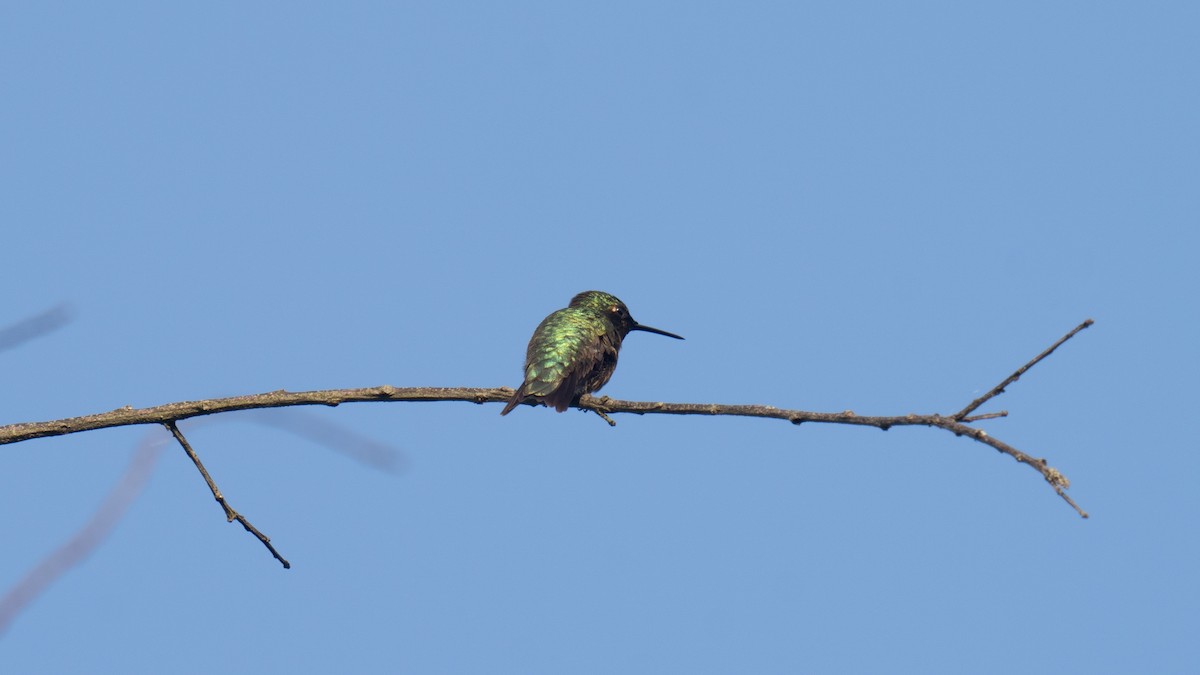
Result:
pixel 574 350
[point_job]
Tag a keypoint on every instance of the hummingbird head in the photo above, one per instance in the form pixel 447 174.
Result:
pixel 616 312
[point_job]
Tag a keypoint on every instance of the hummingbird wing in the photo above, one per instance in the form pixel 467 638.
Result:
pixel 563 356
pixel 575 381
pixel 551 350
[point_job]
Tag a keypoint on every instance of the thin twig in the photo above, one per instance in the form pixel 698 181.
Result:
pixel 230 514
pixel 985 416
pixel 999 389
pixel 1053 476
pixel 602 412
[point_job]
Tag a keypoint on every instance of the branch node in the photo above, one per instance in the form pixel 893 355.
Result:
pixel 1055 477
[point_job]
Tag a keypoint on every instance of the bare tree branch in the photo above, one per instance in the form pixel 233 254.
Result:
pixel 167 415
pixel 230 514
pixel 129 416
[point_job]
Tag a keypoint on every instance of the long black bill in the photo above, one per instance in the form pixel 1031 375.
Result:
pixel 648 329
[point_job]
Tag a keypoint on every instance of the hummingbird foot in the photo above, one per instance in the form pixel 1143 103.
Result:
pixel 598 406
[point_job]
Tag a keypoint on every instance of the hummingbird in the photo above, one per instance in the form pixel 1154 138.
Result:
pixel 574 350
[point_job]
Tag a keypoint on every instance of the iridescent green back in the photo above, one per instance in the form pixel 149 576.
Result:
pixel 566 347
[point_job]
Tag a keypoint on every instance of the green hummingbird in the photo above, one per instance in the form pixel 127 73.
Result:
pixel 574 350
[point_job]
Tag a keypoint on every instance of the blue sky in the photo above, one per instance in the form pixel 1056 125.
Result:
pixel 884 207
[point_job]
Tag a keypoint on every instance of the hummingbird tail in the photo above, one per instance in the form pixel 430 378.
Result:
pixel 517 397
pixel 564 394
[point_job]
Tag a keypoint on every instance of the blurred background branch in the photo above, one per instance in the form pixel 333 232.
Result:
pixel 35 326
